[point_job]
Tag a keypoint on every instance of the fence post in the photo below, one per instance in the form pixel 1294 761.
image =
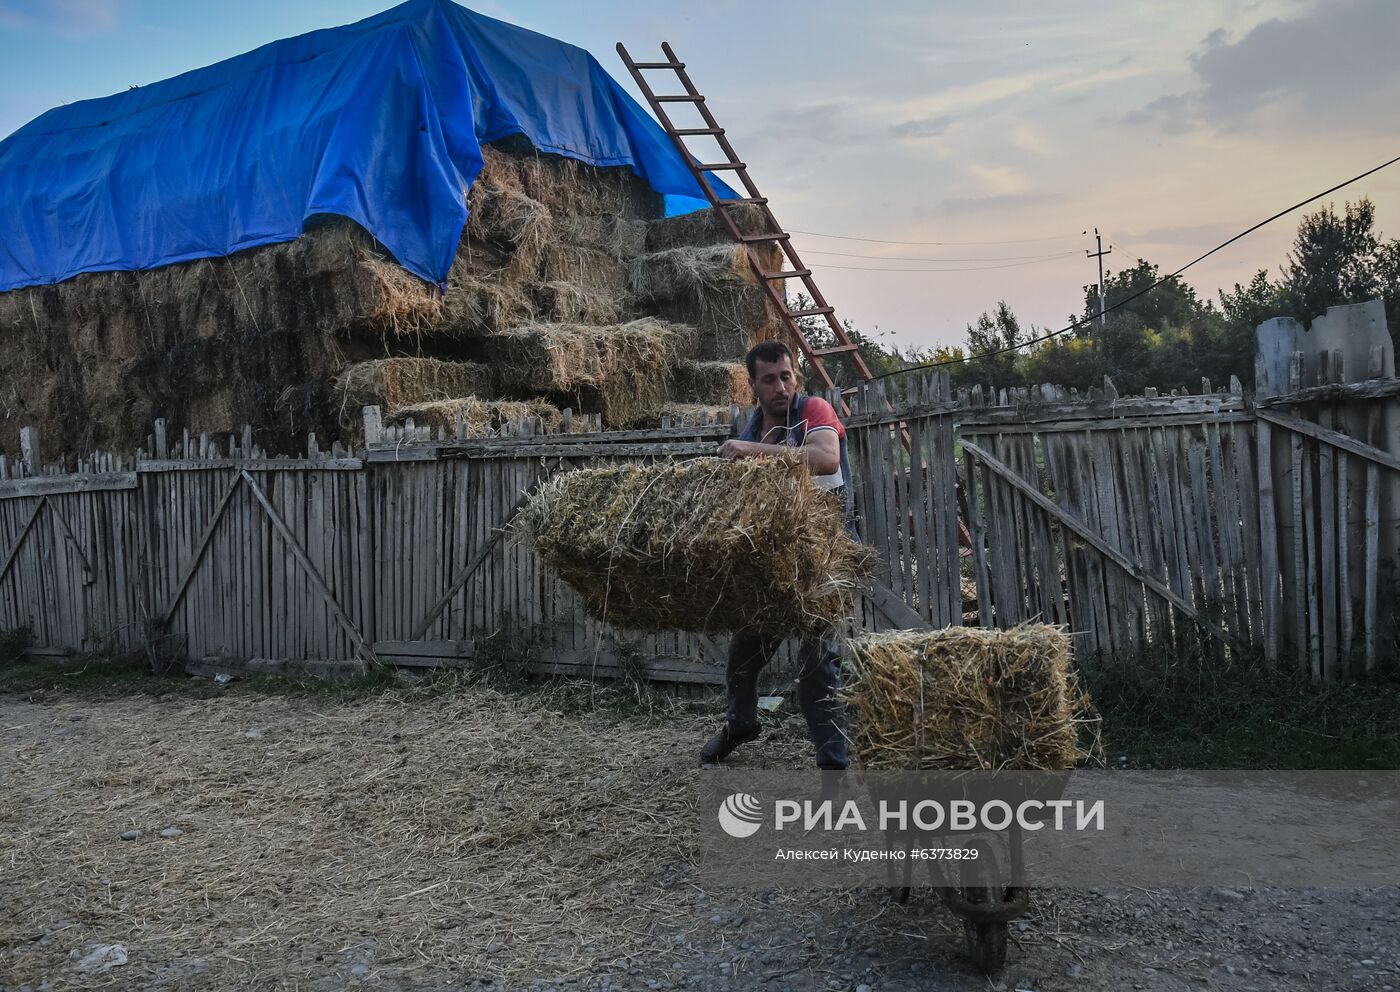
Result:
pixel 30 451
pixel 374 425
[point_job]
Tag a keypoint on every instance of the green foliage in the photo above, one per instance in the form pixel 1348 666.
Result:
pixel 1162 336
pixel 13 644
pixel 1333 260
pixel 878 358
pixel 1167 337
pixel 995 335
pixel 1199 713
pixel 1172 304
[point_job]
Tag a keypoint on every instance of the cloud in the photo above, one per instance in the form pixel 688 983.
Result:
pixel 70 17
pixel 998 179
pixel 966 205
pixel 819 124
pixel 924 127
pixel 1175 114
pixel 1191 235
pixel 1330 67
pixel 968 96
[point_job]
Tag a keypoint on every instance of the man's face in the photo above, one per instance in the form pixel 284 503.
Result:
pixel 774 386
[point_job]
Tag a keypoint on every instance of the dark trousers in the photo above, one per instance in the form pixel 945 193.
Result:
pixel 817 683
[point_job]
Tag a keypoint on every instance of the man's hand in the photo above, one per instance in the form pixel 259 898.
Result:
pixel 734 449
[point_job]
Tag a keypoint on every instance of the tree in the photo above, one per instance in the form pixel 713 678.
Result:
pixel 819 334
pixel 1172 304
pixel 1333 260
pixel 1242 310
pixel 992 344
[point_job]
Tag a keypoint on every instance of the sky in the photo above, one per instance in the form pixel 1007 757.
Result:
pixel 989 135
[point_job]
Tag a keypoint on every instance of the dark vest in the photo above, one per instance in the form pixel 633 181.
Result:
pixel 793 436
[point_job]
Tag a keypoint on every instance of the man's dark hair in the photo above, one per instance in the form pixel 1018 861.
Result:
pixel 767 351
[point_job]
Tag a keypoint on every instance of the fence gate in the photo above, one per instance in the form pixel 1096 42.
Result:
pixel 1132 520
pixel 66 543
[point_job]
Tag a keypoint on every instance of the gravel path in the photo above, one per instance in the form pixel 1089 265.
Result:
pixel 473 840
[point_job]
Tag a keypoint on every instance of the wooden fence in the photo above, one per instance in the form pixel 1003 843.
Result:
pixel 1220 523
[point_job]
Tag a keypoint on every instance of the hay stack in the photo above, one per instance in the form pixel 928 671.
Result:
pixel 689 415
pixel 394 383
pixel 712 383
pixel 966 698
pixel 688 273
pixel 563 302
pixel 479 417
pixel 704 227
pixel 713 290
pixel 704 545
pixel 627 368
pixel 565 186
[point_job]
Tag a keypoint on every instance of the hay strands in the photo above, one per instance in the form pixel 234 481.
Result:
pixel 968 698
pixel 704 545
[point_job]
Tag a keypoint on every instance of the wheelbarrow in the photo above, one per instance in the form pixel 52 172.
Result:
pixel 982 880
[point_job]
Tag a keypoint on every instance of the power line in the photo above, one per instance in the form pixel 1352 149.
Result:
pixel 936 244
pixel 915 258
pixel 966 268
pixel 1142 292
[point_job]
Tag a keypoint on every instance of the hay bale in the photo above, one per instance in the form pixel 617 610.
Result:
pixel 730 322
pixel 622 238
pixel 966 698
pixel 626 368
pixel 569 303
pixel 594 270
pixel 688 273
pixel 566 186
pixel 718 383
pixel 704 227
pixel 479 417
pixel 510 220
pixel 479 302
pixel 704 545
pixel 689 415
pixel 394 383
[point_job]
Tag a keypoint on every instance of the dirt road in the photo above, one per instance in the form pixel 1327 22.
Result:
pixel 492 839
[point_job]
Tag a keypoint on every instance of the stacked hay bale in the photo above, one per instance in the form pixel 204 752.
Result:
pixel 705 545
pixel 568 289
pixel 967 698
pixel 622 370
pixel 712 288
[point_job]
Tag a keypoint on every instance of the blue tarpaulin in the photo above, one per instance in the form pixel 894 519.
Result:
pixel 381 121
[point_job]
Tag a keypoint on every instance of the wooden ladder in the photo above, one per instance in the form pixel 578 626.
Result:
pixel 775 234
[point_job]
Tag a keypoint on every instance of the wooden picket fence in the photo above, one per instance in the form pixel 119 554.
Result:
pixel 1210 525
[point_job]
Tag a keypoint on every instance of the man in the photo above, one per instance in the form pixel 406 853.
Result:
pixel 807 426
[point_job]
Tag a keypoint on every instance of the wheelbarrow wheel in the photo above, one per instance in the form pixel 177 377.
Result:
pixel 986 941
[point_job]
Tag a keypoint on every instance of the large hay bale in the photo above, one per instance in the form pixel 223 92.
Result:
pixel 622 238
pixel 482 300
pixel 563 302
pixel 595 270
pixel 713 383
pixel 966 698
pixel 704 227
pixel 702 545
pixel 689 415
pixel 626 367
pixel 479 417
pixel 688 273
pixel 394 383
pixel 566 186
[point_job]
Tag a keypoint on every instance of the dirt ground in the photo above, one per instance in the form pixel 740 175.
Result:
pixel 494 839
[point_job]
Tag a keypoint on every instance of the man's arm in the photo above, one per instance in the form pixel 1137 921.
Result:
pixel 821 451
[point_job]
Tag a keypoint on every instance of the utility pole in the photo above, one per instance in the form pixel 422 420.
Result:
pixel 1099 255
